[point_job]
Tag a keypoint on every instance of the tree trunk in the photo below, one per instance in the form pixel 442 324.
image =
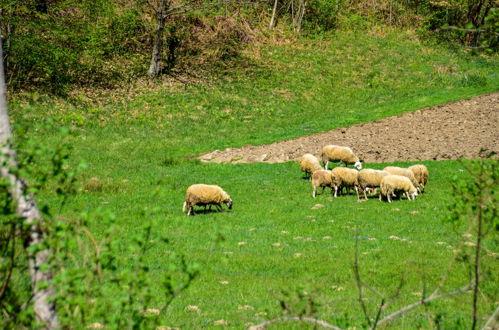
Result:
pixel 154 68
pixel 272 19
pixel 474 17
pixel 299 15
pixel 41 285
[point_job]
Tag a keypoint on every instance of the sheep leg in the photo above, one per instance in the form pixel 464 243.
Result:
pixel 357 191
pixel 314 191
pixel 365 193
pixel 335 191
pixel 325 166
pixel 191 210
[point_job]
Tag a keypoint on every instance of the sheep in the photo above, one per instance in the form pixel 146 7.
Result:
pixel 404 172
pixel 369 178
pixel 345 177
pixel 309 164
pixel 392 184
pixel 321 178
pixel 332 153
pixel 203 195
pixel 421 174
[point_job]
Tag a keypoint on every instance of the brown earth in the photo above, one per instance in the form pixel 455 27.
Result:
pixel 450 131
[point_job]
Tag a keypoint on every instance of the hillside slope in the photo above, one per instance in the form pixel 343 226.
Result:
pixel 450 131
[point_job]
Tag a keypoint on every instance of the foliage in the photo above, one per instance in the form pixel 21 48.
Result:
pixel 54 45
pixel 477 206
pixel 87 267
pixel 71 43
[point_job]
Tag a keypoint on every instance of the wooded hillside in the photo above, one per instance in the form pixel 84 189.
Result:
pixel 55 45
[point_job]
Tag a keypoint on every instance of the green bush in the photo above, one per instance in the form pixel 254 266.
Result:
pixel 322 15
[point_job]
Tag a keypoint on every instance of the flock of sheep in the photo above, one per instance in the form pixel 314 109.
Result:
pixel 392 181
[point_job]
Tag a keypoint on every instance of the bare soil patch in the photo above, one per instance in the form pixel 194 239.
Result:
pixel 450 131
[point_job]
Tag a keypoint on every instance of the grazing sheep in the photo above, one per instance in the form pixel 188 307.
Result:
pixel 345 177
pixel 421 174
pixel 309 164
pixel 404 172
pixel 332 153
pixel 203 195
pixel 392 184
pixel 321 178
pixel 370 179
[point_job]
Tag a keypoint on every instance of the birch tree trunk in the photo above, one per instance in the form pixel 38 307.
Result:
pixel 272 19
pixel 158 39
pixel 42 289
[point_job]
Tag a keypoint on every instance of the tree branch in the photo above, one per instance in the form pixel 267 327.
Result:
pixel 433 296
pixel 492 319
pixel 295 318
pixel 358 281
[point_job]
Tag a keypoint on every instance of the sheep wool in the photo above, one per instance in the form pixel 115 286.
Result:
pixel 345 177
pixel 203 195
pixel 333 153
pixel 321 178
pixel 403 172
pixel 309 164
pixel 393 184
pixel 369 178
pixel 421 174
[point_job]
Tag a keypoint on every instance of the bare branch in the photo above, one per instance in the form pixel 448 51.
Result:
pixel 295 318
pixel 456 28
pixel 378 314
pixel 358 281
pixel 433 296
pixel 492 319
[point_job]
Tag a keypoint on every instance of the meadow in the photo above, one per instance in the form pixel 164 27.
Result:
pixel 277 242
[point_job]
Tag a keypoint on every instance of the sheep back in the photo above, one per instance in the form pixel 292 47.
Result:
pixel 321 178
pixel 403 172
pixel 203 194
pixel 335 153
pixel 371 178
pixel 309 164
pixel 393 183
pixel 344 176
pixel 421 174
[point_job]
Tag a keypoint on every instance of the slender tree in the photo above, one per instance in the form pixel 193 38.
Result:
pixel 27 210
pixel 161 11
pixel 274 11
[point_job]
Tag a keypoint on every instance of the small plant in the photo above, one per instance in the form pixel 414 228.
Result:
pixel 476 208
pixel 99 279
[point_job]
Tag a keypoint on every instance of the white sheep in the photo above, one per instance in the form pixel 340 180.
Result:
pixel 345 177
pixel 321 178
pixel 393 184
pixel 404 172
pixel 332 153
pixel 421 174
pixel 203 195
pixel 370 179
pixel 309 164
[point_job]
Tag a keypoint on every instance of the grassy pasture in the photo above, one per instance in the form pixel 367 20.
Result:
pixel 276 239
pixel 136 149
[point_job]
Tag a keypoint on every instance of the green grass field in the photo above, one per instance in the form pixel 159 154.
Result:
pixel 274 241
